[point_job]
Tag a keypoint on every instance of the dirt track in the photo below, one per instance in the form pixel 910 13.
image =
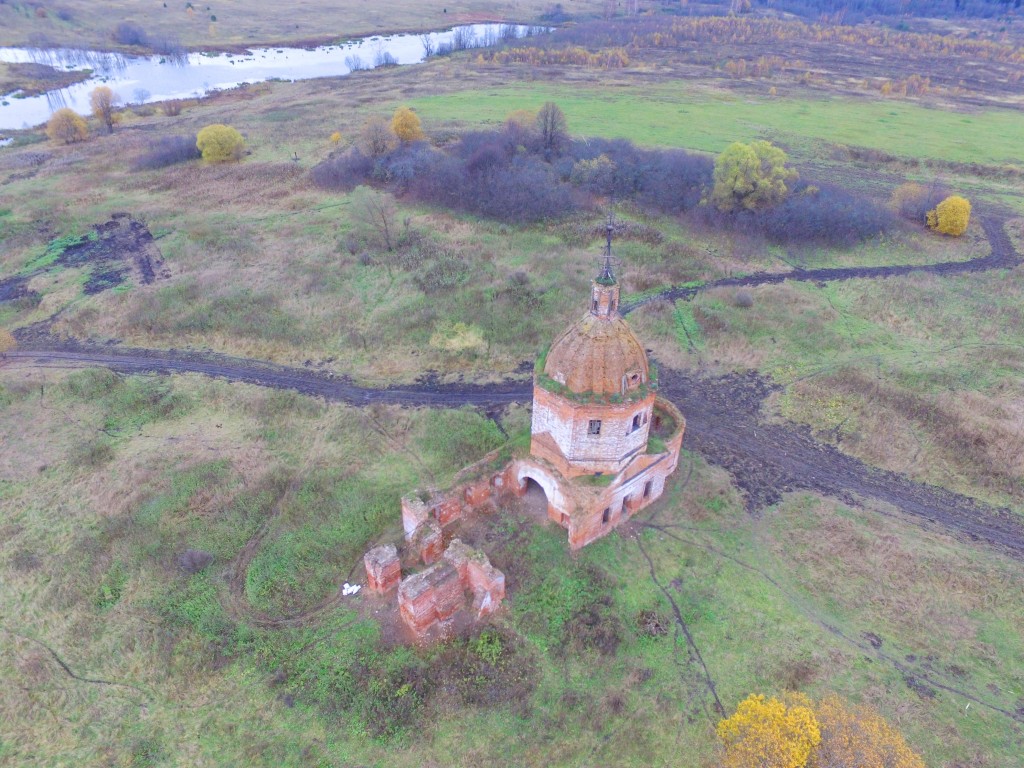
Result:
pixel 724 422
pixel 1002 256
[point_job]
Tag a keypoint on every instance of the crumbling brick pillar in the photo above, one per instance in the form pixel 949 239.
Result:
pixel 478 576
pixel 429 597
pixel 414 513
pixel 477 493
pixel 383 570
pixel 429 542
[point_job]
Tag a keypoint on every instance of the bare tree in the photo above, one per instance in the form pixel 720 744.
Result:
pixel 377 138
pixel 552 128
pixel 429 49
pixel 376 214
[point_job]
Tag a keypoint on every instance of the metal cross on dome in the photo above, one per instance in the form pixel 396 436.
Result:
pixel 608 262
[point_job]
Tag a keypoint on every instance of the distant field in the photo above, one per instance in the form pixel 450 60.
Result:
pixel 705 119
pixel 245 22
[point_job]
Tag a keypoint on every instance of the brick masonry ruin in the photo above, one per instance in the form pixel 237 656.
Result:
pixel 603 445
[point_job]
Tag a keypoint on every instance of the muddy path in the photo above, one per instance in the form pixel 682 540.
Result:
pixel 725 424
pixel 1002 256
pixel 54 354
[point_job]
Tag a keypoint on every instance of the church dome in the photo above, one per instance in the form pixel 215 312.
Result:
pixel 599 354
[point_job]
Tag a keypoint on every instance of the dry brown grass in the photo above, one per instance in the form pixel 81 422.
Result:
pixel 962 439
pixel 250 22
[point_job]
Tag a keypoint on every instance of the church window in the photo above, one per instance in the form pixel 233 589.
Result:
pixel 594 428
pixel 607 515
pixel 636 423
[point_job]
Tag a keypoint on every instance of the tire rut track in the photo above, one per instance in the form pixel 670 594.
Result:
pixel 910 672
pixel 1002 256
pixel 681 625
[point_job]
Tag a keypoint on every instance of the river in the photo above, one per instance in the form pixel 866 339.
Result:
pixel 143 79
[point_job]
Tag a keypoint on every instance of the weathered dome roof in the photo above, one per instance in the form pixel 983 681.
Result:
pixel 599 355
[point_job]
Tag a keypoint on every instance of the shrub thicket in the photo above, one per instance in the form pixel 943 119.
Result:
pixel 130 33
pixel 343 172
pixel 168 150
pixel 514 174
pixel 913 201
pixel 829 216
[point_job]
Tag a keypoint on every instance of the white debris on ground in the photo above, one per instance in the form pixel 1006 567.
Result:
pixel 350 589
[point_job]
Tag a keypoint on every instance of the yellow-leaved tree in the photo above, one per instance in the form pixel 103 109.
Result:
pixel 750 176
pixel 857 737
pixel 67 126
pixel 406 125
pixel 951 216
pixel 7 341
pixel 768 733
pixel 102 101
pixel 220 143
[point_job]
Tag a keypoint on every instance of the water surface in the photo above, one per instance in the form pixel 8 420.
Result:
pixel 143 79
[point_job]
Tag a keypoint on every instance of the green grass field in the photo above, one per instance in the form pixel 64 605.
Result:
pixel 696 117
pixel 584 667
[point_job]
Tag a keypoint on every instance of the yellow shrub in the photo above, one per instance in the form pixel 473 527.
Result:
pixel 859 736
pixel 336 137
pixel 768 732
pixel 67 126
pixel 7 341
pixel 220 143
pixel 951 216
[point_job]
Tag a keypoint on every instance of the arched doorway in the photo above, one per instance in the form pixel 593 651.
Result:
pixel 535 499
pixel 543 495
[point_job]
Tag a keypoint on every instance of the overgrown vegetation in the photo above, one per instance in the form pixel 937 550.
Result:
pixel 530 170
pixel 166 151
pixel 189 537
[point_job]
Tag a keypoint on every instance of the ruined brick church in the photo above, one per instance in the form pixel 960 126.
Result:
pixel 602 447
